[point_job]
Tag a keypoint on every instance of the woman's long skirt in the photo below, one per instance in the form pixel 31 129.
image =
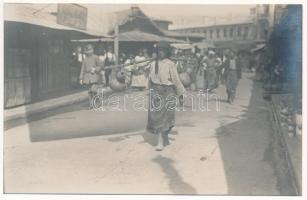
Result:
pixel 161 109
pixel 231 84
pixel 211 78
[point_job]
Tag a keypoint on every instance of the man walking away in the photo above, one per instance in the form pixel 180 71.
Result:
pixel 232 72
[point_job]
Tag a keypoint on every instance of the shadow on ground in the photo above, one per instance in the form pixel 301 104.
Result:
pixel 175 181
pixel 247 150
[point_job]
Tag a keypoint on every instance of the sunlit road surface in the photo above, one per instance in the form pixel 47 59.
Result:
pixel 76 150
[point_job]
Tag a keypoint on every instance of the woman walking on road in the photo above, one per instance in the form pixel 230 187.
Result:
pixel 165 86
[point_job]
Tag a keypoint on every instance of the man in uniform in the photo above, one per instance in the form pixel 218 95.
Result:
pixel 90 72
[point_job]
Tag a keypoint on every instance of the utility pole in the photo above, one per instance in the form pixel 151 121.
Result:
pixel 116 40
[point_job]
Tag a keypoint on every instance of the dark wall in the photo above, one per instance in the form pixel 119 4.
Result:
pixel 49 53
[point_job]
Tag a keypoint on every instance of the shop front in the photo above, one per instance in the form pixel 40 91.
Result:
pixel 37 56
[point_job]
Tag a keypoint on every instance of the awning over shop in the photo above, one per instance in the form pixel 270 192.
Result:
pixel 235 44
pixel 134 36
pixel 258 47
pixel 204 44
pixel 41 15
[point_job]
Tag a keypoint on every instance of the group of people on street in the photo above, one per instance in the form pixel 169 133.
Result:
pixel 208 69
pixel 161 75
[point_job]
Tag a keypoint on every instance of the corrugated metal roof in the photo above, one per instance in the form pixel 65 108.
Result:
pixel 41 15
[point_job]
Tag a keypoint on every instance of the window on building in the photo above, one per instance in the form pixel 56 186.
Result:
pixel 245 32
pixel 231 32
pixel 225 32
pixel 217 33
pixel 211 33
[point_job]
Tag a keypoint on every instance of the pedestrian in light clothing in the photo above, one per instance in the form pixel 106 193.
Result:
pixel 90 72
pixel 101 53
pixel 232 73
pixel 139 79
pixel 165 86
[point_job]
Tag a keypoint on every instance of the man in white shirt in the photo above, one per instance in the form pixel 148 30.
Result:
pixel 138 79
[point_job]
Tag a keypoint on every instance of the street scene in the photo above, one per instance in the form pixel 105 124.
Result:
pixel 142 99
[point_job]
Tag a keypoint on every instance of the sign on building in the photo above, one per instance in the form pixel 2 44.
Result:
pixel 72 15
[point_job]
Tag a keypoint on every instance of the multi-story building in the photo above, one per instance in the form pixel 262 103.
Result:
pixel 244 30
pixel 243 33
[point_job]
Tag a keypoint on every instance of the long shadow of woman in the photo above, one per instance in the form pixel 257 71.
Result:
pixel 176 184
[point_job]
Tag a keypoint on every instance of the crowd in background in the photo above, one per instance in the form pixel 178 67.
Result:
pixel 198 68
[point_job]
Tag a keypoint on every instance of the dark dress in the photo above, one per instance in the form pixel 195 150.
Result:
pixel 165 87
pixel 161 109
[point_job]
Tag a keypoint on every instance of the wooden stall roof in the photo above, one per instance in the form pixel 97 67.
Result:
pixel 204 44
pixel 135 36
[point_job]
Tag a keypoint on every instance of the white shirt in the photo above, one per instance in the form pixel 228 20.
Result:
pixel 110 56
pixel 139 58
pixel 167 75
pixel 102 57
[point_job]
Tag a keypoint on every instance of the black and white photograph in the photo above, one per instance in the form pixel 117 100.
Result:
pixel 152 99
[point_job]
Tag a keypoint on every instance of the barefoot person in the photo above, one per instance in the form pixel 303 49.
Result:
pixel 165 86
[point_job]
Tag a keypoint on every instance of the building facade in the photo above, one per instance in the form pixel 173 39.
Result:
pixel 243 33
pixel 236 31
